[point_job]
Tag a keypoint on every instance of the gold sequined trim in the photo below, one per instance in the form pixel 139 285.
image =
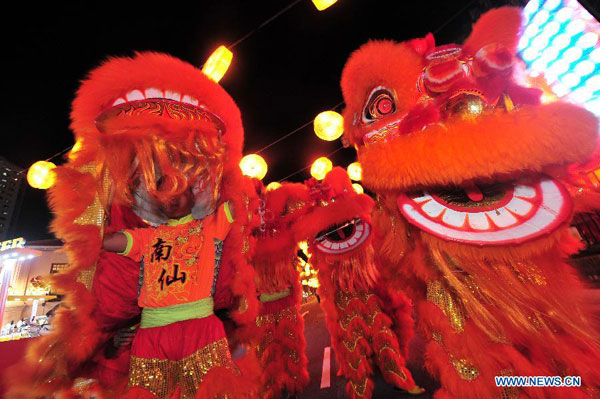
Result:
pixel 465 369
pixel 162 376
pixel 287 313
pixel 508 392
pixel 442 298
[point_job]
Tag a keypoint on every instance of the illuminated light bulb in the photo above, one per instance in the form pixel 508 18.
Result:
pixel 564 14
pixel 584 68
pixel 550 54
pixel 551 28
pixel 329 125
pixel 523 42
pixel 539 65
pixel 559 67
pixel 320 168
pixel 570 80
pixel 593 106
pixel 358 188
pixel 532 7
pixel 588 40
pixel 540 43
pixel 355 171
pixel 593 83
pixel 561 41
pixel 529 54
pixel 273 186
pixel 530 31
pixel 551 4
pixel 575 26
pixel 540 18
pixel 303 245
pixel 595 55
pixel 76 148
pixel 581 95
pixel 323 4
pixel 572 54
pixel 218 63
pixel 253 165
pixel 41 175
pixel 560 89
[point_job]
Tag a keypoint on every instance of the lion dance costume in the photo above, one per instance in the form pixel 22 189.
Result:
pixel 279 327
pixel 472 216
pixel 140 120
pixel 338 229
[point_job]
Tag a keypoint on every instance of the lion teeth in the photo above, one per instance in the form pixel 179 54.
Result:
pixel 135 95
pixel 524 191
pixel 454 218
pixel 153 93
pixel 519 206
pixel 119 101
pixel 478 221
pixel 171 95
pixel 501 217
pixel 433 208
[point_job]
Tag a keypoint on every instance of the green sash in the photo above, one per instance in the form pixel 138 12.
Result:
pixel 158 317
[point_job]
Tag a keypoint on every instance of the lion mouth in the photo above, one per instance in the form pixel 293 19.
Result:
pixel 494 214
pixel 343 237
pixel 160 103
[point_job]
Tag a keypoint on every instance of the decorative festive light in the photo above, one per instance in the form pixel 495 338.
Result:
pixel 320 168
pixel 218 63
pixel 253 165
pixel 358 188
pixel 329 125
pixel 76 148
pixel 41 175
pixel 561 45
pixel 273 186
pixel 355 171
pixel 323 4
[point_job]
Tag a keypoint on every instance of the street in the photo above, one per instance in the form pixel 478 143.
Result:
pixel 322 367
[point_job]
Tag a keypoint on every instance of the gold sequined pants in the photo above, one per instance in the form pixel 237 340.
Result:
pixel 162 376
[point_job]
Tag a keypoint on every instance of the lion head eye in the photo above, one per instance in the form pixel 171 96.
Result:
pixel 381 103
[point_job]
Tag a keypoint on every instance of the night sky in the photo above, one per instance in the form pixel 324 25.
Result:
pixel 281 76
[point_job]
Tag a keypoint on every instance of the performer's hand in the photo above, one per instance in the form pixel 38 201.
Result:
pixel 115 242
pixel 123 337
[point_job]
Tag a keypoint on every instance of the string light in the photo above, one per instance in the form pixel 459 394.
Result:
pixel 41 175
pixel 358 188
pixel 561 44
pixel 218 63
pixel 253 165
pixel 274 185
pixel 329 125
pixel 76 148
pixel 355 171
pixel 323 4
pixel 320 168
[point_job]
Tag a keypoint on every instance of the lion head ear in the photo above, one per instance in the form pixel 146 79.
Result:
pixel 422 45
pixel 501 26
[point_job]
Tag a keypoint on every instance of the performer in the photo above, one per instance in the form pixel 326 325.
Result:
pixel 141 120
pixel 280 326
pixel 338 230
pixel 472 221
pixel 180 268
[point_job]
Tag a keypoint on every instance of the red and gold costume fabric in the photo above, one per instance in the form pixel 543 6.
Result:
pixel 281 347
pixel 140 119
pixel 180 266
pixel 472 220
pixel 181 260
pixel 363 335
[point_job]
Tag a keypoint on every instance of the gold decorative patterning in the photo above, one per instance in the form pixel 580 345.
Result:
pixel 162 376
pixel 442 298
pixel 94 214
pixel 359 387
pixel 287 313
pixel 465 369
pixel 508 392
pixel 343 298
